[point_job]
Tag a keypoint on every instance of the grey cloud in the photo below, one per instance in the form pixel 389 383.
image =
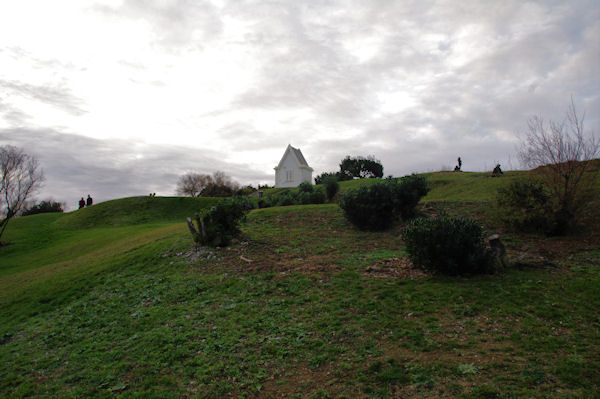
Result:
pixel 245 137
pixel 11 115
pixel 75 165
pixel 57 96
pixel 175 24
pixel 20 54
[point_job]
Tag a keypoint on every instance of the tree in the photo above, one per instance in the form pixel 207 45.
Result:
pixel 192 184
pixel 20 176
pixel 560 151
pixel 217 185
pixel 220 185
pixel 361 167
pixel 47 206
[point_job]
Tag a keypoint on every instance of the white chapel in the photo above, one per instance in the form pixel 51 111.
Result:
pixel 292 169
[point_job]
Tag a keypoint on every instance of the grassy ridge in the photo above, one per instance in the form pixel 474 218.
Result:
pixel 112 303
pixel 133 211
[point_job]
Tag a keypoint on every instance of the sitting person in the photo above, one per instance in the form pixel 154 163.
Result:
pixel 497 171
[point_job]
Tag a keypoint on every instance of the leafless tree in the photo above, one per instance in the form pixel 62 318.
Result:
pixel 560 151
pixel 20 176
pixel 192 184
pixel 221 179
pixel 217 185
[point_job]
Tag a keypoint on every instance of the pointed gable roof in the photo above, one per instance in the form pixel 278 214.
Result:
pixel 297 154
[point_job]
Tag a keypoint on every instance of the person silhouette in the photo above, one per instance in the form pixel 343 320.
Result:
pixel 81 203
pixel 89 201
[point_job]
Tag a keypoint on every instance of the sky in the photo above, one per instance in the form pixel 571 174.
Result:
pixel 119 98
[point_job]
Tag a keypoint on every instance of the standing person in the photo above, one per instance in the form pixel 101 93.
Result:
pixel 81 203
pixel 89 201
pixel 459 163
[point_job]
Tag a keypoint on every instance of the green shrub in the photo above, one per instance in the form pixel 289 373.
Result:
pixel 265 202
pixel 317 196
pixel 218 225
pixel 447 245
pixel 305 195
pixel 285 199
pixel 331 187
pixel 378 206
pixel 409 192
pixel 526 206
pixel 305 187
pixel 372 207
pixel 304 198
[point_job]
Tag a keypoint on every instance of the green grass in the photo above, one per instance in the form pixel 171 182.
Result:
pixel 106 302
pixel 134 211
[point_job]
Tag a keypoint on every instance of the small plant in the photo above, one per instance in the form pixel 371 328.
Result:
pixel 217 226
pixel 378 206
pixel 447 245
pixel 468 369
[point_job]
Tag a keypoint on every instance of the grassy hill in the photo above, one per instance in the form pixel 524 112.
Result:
pixel 113 301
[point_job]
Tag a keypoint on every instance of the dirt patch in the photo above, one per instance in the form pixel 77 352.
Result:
pixel 394 268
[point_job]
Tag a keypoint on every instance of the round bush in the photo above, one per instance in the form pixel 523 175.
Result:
pixel 378 206
pixel 372 207
pixel 305 187
pixel 447 245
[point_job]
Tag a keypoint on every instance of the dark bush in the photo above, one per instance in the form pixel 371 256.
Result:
pixel 285 199
pixel 378 206
pixel 217 190
pixel 339 176
pixel 265 202
pixel 527 206
pixel 410 190
pixel 304 196
pixel 44 207
pixel 331 187
pixel 446 245
pixel 320 179
pixel 372 207
pixel 305 187
pixel 317 197
pixel 218 225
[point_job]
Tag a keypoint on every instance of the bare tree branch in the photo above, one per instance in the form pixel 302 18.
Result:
pixel 20 176
pixel 560 151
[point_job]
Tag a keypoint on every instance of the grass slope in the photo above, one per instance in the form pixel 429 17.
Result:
pixel 101 303
pixel 134 211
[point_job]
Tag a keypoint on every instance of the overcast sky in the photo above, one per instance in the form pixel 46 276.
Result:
pixel 120 97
